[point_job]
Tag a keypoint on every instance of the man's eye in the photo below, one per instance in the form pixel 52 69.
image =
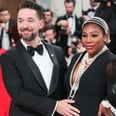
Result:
pixel 30 21
pixel 20 21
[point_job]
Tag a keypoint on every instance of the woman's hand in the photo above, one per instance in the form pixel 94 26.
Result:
pixel 104 110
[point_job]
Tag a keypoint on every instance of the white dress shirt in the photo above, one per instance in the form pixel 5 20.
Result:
pixel 92 13
pixel 72 23
pixel 44 63
pixel 5 39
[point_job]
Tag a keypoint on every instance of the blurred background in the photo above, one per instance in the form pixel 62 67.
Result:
pixel 57 6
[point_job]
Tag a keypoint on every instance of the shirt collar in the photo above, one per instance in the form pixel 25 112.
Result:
pixel 71 15
pixel 25 44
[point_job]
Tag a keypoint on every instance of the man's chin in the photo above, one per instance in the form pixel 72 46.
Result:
pixel 28 37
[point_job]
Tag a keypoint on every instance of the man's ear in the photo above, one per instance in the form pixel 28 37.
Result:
pixel 41 23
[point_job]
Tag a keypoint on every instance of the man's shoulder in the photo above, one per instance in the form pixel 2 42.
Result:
pixel 55 48
pixel 10 51
pixel 8 55
pixel 52 46
pixel 61 17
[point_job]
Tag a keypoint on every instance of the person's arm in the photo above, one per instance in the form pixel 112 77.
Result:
pixel 108 107
pixel 111 82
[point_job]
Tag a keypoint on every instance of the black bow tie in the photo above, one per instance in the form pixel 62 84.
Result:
pixel 91 10
pixel 70 16
pixel 31 50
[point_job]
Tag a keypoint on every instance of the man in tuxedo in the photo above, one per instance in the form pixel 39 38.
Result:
pixel 48 16
pixel 107 11
pixel 6 24
pixel 91 12
pixel 73 25
pixel 50 33
pixel 33 71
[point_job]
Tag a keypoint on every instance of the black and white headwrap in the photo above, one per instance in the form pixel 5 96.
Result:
pixel 99 21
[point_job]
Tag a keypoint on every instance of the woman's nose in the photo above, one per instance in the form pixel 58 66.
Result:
pixel 89 39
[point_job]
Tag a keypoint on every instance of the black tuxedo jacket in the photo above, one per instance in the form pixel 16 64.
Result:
pixel 11 23
pixel 62 38
pixel 25 83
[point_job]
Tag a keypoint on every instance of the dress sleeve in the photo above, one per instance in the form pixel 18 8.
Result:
pixel 111 82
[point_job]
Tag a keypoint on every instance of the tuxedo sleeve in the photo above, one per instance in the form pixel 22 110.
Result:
pixel 20 95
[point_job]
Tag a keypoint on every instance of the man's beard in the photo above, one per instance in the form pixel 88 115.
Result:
pixel 29 38
pixel 69 13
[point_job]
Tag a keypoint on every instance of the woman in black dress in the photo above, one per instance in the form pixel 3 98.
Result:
pixel 86 77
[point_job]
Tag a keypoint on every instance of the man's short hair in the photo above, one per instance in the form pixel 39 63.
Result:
pixel 73 1
pixel 49 27
pixel 3 9
pixel 48 10
pixel 32 5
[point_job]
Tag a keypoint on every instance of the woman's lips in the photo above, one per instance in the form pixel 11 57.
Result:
pixel 89 47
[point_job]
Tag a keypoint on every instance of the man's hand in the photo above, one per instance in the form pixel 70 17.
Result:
pixel 64 23
pixel 104 110
pixel 65 108
pixel 85 17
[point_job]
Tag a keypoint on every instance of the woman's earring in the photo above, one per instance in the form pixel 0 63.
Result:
pixel 105 40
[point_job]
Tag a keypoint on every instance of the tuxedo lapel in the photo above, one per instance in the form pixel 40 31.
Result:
pixel 65 17
pixel 55 73
pixel 33 67
pixel 76 22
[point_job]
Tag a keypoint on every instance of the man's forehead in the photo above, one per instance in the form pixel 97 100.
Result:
pixel 4 12
pixel 27 12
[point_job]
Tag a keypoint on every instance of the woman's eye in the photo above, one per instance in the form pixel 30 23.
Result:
pixel 94 35
pixel 83 35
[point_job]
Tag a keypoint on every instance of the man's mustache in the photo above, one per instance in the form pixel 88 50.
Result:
pixel 26 29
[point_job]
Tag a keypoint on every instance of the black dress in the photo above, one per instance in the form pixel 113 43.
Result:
pixel 92 86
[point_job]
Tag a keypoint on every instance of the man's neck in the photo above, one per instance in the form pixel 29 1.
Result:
pixel 34 43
